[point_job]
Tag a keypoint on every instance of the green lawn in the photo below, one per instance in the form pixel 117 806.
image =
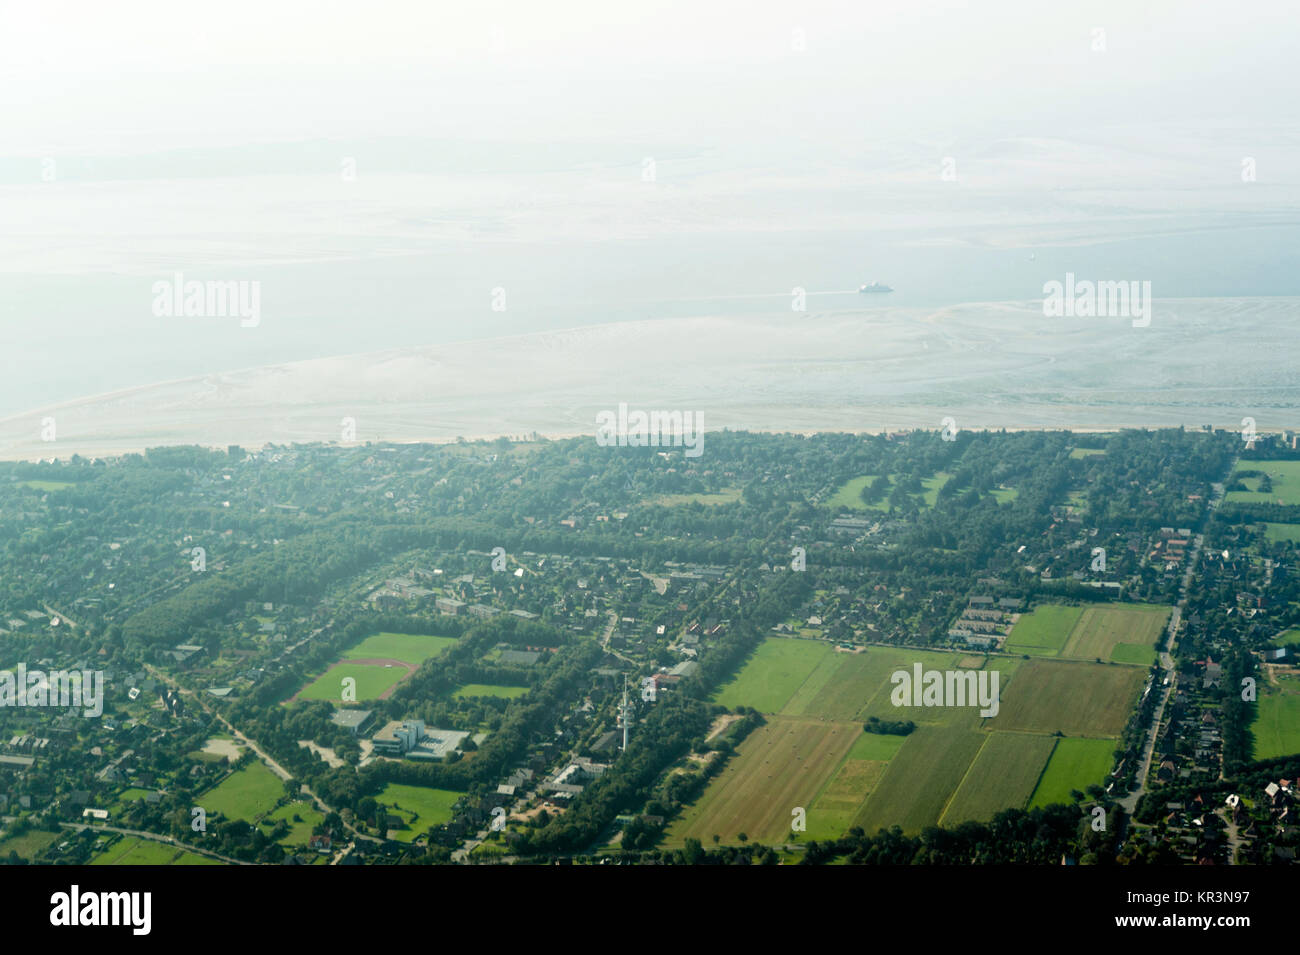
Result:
pixel 1085 452
pixel 300 829
pixel 1005 495
pixel 489 689
pixel 933 485
pixel 407 647
pixel 1287 638
pixel 1075 764
pixel 1285 476
pixel 247 794
pixel 29 845
pixel 1282 532
pixel 420 807
pixel 47 485
pixel 130 850
pixel 1277 721
pixel 850 495
pixel 1139 653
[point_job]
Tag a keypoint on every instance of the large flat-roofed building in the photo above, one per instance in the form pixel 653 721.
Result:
pixel 411 738
pixel 436 743
pixel 354 721
pixel 398 737
pixel 449 606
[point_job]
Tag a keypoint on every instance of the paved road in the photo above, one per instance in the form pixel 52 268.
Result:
pixel 265 757
pixel 1130 801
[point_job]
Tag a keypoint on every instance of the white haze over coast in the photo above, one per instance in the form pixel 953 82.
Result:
pixel 988 366
pixel 646 186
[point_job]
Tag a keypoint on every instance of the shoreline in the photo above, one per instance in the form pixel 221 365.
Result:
pixel 251 448
pixel 988 366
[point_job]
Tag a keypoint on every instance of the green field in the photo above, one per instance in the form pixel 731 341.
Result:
pixel 1285 476
pixel 490 689
pixel 1077 453
pixel 247 794
pixel 887 660
pixel 1277 719
pixel 840 799
pixel 850 496
pixel 1078 699
pixel 1282 532
pixel 47 485
pixel 1075 764
pixel 920 779
pixel 407 647
pixel 840 687
pixel 418 806
pixel 956 765
pixel 777 669
pixel 299 829
pixel 1003 776
pixel 1140 654
pixel 1125 633
pixel 933 485
pixel 29 845
pixel 1100 628
pixel 130 850
pixel 1005 495
pixel 1287 638
pixel 780 766
pixel 1044 630
pixel 372 682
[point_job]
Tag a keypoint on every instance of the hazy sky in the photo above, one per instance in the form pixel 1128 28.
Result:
pixel 84 76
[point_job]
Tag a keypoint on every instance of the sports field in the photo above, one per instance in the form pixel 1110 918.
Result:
pixel 373 681
pixel 1075 764
pixel 1124 633
pixel 377 664
pixel 247 794
pixel 407 647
